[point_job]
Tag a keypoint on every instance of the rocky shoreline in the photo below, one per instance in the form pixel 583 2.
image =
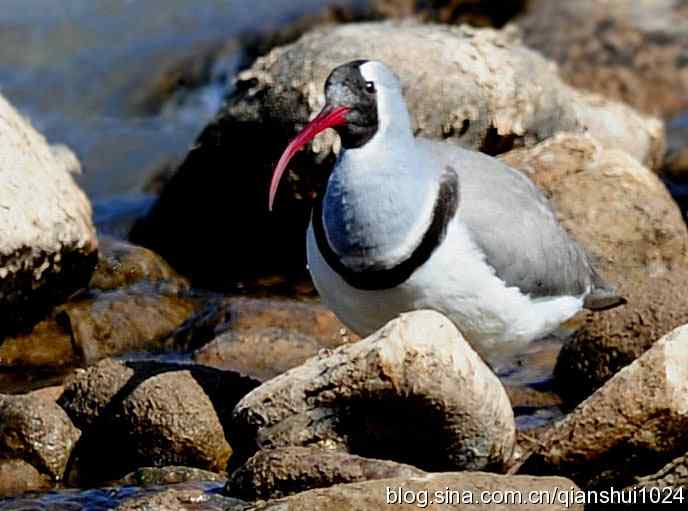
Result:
pixel 183 369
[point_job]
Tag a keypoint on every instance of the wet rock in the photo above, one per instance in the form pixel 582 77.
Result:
pixel 157 476
pixel 48 246
pixel 18 476
pixel 275 473
pixel 267 337
pixel 414 378
pixel 121 264
pixel 623 214
pixel 47 345
pixel 150 414
pixel 631 426
pixel 474 87
pixel 98 324
pixel 462 490
pixel 630 51
pixel 130 319
pixel 182 500
pixel 37 431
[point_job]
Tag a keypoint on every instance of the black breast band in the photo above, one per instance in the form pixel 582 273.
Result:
pixel 377 277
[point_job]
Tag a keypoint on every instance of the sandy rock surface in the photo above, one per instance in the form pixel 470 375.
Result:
pixel 48 243
pixel 372 495
pixel 634 51
pixel 413 392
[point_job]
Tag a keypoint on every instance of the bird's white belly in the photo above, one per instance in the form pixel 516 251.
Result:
pixel 498 321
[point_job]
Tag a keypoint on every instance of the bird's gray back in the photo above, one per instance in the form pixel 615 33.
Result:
pixel 512 222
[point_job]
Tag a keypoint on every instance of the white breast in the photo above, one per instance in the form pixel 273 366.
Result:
pixel 498 321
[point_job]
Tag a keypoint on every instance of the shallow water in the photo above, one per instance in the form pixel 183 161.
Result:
pixel 100 499
pixel 95 75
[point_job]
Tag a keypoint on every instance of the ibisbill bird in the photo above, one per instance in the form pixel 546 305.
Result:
pixel 408 223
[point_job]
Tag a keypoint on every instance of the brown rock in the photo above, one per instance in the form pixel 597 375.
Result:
pixel 631 426
pixel 462 489
pixel 37 431
pixel 630 51
pixel 169 420
pixel 99 324
pixel 18 476
pixel 624 216
pixel 149 413
pixel 131 319
pixel 48 245
pixel 275 473
pixel 121 264
pixel 90 395
pixel 267 337
pixel 478 88
pixel 414 378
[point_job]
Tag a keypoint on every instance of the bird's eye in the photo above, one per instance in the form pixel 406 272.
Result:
pixel 370 88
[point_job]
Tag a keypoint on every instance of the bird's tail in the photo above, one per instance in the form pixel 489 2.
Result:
pixel 603 295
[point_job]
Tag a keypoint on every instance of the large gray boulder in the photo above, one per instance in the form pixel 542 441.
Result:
pixel 47 240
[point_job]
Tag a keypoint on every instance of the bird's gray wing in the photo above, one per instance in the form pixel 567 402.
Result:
pixel 512 222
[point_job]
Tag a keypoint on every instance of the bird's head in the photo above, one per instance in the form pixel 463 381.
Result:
pixel 360 97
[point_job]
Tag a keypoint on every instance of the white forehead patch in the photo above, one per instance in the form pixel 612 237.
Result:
pixel 381 75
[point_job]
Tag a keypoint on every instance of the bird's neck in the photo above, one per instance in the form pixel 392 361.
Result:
pixel 379 202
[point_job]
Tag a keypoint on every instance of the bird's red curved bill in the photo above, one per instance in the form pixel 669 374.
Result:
pixel 327 118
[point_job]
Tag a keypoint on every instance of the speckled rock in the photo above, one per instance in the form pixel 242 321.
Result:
pixel 414 378
pixel 170 420
pixel 631 51
pixel 275 473
pixel 141 414
pixel 624 216
pixel 478 88
pixel 37 431
pixel 673 475
pixel 460 491
pixel 48 245
pixel 631 426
